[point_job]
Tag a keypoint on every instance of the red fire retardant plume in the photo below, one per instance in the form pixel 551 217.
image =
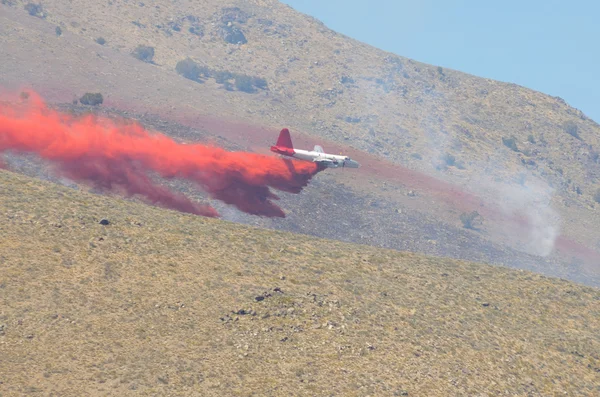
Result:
pixel 116 157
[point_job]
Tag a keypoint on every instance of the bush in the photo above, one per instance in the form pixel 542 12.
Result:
pixel 260 83
pixel 189 69
pixel 470 220
pixel 222 76
pixel 244 83
pixel 510 143
pixel 234 35
pixel 531 139
pixel 100 40
pixel 91 99
pixel 597 196
pixel 571 128
pixel 448 159
pixel 58 31
pixel 34 10
pixel 196 30
pixel 144 53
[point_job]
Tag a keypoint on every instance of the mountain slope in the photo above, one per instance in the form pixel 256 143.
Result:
pixel 161 302
pixel 440 122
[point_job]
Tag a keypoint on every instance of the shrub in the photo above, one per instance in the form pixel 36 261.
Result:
pixel 234 14
pixel 471 219
pixel 91 99
pixel 222 76
pixel 100 40
pixel 144 53
pixel 531 139
pixel 448 159
pixel 58 31
pixel 510 143
pixel 188 69
pixel 234 35
pixel 34 10
pixel 244 83
pixel 571 128
pixel 197 30
pixel 259 83
pixel 597 196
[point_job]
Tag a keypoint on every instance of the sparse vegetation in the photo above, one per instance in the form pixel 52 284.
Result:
pixel 100 40
pixel 144 53
pixel 91 99
pixel 531 139
pixel 191 70
pixel 58 31
pixel 471 220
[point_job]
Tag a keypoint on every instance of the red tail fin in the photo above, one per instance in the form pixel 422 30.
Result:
pixel 285 140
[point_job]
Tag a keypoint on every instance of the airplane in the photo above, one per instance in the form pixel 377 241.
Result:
pixel 284 147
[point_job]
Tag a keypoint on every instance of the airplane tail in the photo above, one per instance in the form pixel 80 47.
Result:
pixel 284 140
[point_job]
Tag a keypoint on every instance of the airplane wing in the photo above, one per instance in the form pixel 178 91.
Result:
pixel 318 149
pixel 324 161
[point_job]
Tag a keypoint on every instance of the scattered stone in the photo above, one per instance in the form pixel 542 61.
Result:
pixel 163 379
pixel 104 222
pixel 259 298
pixel 411 193
pixel 284 339
pixel 282 278
pixel 485 304
pixel 2 329
pixel 277 289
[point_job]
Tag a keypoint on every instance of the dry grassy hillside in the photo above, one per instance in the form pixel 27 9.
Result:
pixel 156 302
pixel 440 121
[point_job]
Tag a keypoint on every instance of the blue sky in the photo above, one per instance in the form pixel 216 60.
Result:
pixel 552 46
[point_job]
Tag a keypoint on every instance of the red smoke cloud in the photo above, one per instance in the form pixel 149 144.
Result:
pixel 115 156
